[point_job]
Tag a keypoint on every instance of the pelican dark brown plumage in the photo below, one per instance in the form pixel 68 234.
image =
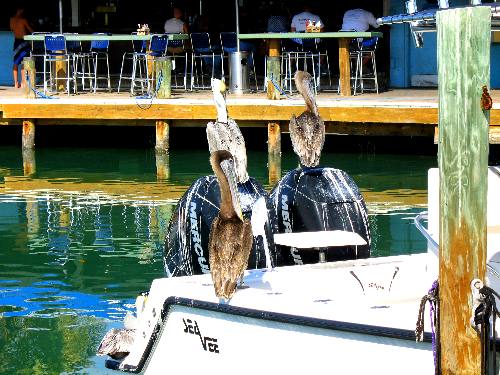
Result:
pixel 231 237
pixel 307 131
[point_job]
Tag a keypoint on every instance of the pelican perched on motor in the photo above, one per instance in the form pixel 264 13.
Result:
pixel 187 243
pixel 231 237
pixel 313 198
pixel 225 134
pixel 307 131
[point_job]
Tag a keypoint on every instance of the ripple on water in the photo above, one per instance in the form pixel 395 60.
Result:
pixel 10 309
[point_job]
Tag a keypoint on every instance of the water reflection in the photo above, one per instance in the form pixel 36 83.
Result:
pixel 82 234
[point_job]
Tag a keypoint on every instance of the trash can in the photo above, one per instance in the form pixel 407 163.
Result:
pixel 238 72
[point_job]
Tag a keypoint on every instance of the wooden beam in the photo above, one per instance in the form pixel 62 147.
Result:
pixel 269 112
pixel 463 40
pixel 344 67
pixel 162 137
pixel 28 140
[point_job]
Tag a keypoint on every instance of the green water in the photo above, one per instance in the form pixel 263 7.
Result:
pixel 82 236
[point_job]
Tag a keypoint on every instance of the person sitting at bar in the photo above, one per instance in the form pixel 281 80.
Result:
pixel 175 24
pixel 300 20
pixel 20 26
pixel 358 20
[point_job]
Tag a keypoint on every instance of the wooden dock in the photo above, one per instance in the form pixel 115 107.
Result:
pixel 391 113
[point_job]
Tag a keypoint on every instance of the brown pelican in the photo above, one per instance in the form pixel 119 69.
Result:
pixel 118 342
pixel 225 134
pixel 307 131
pixel 231 237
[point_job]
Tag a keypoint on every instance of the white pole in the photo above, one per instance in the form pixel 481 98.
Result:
pixel 60 17
pixel 237 25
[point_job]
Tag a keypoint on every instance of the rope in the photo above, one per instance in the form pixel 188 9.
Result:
pixel 485 311
pixel 38 94
pixel 149 96
pixel 432 297
pixel 277 87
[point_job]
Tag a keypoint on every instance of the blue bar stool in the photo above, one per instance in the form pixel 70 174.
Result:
pixel 56 51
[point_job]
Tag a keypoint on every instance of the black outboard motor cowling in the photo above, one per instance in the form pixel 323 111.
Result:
pixel 186 244
pixel 319 199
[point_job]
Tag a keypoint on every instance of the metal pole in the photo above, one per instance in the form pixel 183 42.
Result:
pixel 237 25
pixel 60 17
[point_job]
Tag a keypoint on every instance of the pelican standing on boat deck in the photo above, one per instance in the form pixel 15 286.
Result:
pixel 307 131
pixel 225 134
pixel 231 236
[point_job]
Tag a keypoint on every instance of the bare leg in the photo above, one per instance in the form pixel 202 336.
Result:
pixel 14 74
pixel 22 78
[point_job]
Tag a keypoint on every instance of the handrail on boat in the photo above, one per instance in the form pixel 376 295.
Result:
pixel 434 245
pixel 418 223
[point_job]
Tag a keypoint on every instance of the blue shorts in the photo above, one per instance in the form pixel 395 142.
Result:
pixel 21 50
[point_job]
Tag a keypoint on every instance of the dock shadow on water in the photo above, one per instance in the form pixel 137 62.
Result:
pixel 83 234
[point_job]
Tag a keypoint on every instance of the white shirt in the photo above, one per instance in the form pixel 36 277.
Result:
pixel 299 21
pixel 358 20
pixel 174 25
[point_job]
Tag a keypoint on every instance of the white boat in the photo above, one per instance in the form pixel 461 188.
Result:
pixel 345 317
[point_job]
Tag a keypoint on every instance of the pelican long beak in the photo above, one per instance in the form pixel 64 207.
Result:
pixel 229 170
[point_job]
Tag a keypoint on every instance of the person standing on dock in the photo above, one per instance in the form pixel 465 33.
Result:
pixel 20 26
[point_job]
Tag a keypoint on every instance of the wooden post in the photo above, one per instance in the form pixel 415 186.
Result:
pixel 273 69
pixel 463 41
pixel 162 136
pixel 274 139
pixel 29 162
pixel 344 67
pixel 162 166
pixel 28 134
pixel 29 84
pixel 274 152
pixel 163 69
pixel 60 72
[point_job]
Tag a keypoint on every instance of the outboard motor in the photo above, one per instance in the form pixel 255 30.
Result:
pixel 320 199
pixel 186 244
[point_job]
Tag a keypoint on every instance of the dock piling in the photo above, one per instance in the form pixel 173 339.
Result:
pixel 29 77
pixel 274 152
pixel 162 136
pixel 274 138
pixel 463 42
pixel 28 134
pixel 163 69
pixel 29 162
pixel 273 69
pixel 162 166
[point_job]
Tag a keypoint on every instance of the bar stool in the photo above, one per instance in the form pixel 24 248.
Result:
pixel 177 51
pixel 56 52
pixel 367 49
pixel 99 51
pixel 37 53
pixel 360 50
pixel 138 46
pixel 202 51
pixel 157 48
